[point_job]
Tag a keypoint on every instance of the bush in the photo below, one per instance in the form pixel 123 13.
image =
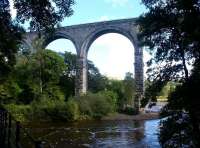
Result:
pixel 111 97
pixel 88 106
pixel 72 110
pixel 95 105
pixel 19 112
pixel 55 110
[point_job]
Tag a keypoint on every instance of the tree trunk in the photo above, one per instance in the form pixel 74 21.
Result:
pixel 184 64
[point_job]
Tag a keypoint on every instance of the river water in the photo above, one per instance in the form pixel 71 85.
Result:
pixel 98 134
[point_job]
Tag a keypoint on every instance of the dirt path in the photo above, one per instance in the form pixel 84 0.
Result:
pixel 141 116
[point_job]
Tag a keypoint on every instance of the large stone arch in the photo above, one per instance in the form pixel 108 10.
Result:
pixel 102 31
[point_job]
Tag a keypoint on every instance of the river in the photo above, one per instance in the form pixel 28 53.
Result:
pixel 98 134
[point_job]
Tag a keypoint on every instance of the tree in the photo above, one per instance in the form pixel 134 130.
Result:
pixel 167 30
pixel 117 87
pixel 39 74
pixel 27 10
pixel 96 82
pixel 10 36
pixel 67 81
pixel 42 15
pixel 129 88
pixel 171 30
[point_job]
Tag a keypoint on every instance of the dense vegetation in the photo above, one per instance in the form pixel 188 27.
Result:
pixel 41 87
pixel 171 31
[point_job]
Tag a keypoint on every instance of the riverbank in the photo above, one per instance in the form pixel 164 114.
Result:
pixel 141 116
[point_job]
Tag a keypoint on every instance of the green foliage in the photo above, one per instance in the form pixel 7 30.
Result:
pixel 166 91
pixel 117 87
pixel 176 131
pixel 67 81
pixel 51 65
pixel 19 112
pixel 53 12
pixel 45 110
pixel 96 81
pixel 111 98
pixel 129 88
pixel 10 35
pixel 39 73
pixel 171 30
pixel 73 112
pixel 9 90
pixel 55 110
pixel 96 105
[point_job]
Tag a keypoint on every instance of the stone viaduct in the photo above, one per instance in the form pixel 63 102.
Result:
pixel 83 36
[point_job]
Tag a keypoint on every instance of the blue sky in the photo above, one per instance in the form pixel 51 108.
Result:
pixel 86 11
pixel 112 53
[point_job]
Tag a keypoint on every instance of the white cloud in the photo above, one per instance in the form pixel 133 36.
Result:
pixel 116 3
pixel 113 54
pixel 12 10
pixel 104 18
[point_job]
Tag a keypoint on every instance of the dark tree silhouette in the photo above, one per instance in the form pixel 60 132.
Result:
pixel 171 30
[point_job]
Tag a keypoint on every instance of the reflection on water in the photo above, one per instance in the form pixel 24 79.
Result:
pixel 99 134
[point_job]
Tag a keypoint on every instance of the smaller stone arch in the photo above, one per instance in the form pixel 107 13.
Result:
pixel 55 36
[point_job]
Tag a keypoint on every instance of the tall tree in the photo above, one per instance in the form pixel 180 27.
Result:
pixel 10 36
pixel 96 81
pixel 171 30
pixel 40 14
pixel 43 14
pixel 168 29
pixel 38 75
pixel 129 88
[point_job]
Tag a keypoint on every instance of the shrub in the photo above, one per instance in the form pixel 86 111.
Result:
pixel 19 112
pixel 111 97
pixel 72 110
pixel 100 106
pixel 95 105
pixel 56 110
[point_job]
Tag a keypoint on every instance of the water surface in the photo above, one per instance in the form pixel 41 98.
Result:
pixel 98 134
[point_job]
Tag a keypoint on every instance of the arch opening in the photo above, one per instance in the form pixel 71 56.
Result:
pixel 113 54
pixel 109 30
pixel 61 45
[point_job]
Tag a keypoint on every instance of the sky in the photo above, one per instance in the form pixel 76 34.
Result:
pixel 112 53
